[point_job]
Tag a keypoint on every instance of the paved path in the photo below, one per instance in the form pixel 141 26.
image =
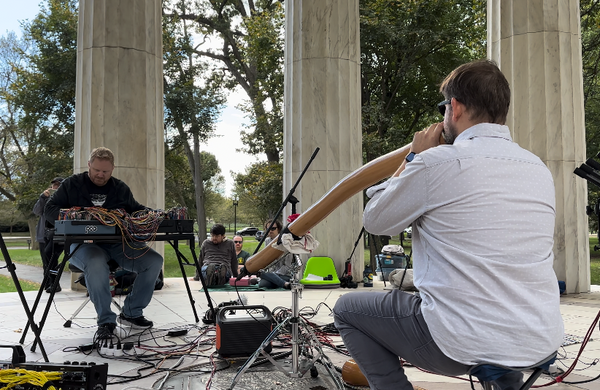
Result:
pixel 34 274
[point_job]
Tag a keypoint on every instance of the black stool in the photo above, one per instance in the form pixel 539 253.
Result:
pixel 487 373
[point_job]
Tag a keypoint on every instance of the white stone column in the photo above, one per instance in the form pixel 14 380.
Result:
pixel 538 47
pixel 119 98
pixel 322 109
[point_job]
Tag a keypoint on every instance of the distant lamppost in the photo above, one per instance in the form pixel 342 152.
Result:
pixel 235 203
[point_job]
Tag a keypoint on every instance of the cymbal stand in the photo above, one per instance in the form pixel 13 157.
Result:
pixel 306 348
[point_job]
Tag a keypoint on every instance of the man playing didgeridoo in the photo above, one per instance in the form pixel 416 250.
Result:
pixel 482 212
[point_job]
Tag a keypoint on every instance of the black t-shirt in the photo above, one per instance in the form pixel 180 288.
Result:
pixel 97 194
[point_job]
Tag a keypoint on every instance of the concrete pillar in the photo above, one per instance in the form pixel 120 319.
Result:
pixel 322 109
pixel 119 98
pixel 537 44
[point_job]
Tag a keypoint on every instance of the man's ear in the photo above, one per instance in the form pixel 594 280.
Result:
pixel 458 109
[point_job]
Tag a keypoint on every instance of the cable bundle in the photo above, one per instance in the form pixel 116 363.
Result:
pixel 140 226
pixel 19 376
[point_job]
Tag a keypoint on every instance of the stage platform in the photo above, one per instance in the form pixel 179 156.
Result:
pixel 170 308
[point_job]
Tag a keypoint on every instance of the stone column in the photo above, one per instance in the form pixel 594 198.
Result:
pixel 119 98
pixel 322 109
pixel 538 47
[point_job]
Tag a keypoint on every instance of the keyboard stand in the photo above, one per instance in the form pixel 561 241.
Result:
pixel 12 269
pixel 172 238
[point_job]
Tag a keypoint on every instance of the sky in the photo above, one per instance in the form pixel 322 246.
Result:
pixel 223 146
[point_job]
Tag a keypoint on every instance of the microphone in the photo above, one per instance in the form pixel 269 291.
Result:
pixel 241 273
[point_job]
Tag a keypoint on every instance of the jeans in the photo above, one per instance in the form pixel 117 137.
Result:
pixel 93 259
pixel 204 267
pixel 273 280
pixel 379 327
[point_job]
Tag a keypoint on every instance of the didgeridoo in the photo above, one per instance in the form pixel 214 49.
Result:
pixel 363 177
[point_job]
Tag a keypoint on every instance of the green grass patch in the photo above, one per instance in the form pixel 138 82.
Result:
pixel 7 285
pixel 172 270
pixel 26 256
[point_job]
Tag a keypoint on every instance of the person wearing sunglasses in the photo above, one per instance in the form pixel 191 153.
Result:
pixel 241 254
pixel 278 276
pixel 482 211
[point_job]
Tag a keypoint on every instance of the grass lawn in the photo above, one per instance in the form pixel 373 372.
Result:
pixel 7 285
pixel 32 257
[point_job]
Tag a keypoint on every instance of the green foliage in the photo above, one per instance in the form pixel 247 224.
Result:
pixel 193 102
pixel 38 101
pixel 590 45
pixel 243 43
pixel 407 48
pixel 9 218
pixel 265 43
pixel 260 190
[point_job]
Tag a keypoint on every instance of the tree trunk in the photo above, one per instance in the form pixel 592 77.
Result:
pixel 199 186
pixel 32 222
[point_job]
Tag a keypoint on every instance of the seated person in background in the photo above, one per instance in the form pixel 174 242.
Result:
pixel 49 250
pixel 98 188
pixel 241 254
pixel 218 260
pixel 278 276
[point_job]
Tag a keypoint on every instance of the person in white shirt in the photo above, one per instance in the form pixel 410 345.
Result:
pixel 482 211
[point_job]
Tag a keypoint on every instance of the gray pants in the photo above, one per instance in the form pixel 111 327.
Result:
pixel 378 327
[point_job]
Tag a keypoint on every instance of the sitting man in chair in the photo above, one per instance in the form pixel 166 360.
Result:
pixel 482 211
pixel 97 187
pixel 218 260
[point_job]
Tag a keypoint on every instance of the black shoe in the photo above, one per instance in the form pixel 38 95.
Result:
pixel 105 331
pixel 49 289
pixel 287 285
pixel 137 322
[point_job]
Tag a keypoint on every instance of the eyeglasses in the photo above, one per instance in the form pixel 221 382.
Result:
pixel 237 242
pixel 273 228
pixel 442 106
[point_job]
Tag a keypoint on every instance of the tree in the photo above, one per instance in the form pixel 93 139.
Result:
pixel 39 101
pixel 243 42
pixel 192 104
pixel 407 48
pixel 590 48
pixel 260 190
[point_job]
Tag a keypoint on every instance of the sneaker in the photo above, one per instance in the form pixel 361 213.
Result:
pixel 105 331
pixel 49 289
pixel 136 322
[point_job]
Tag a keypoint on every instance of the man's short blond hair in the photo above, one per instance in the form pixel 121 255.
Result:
pixel 102 153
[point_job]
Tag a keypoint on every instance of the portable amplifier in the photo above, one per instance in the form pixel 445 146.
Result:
pixel 242 329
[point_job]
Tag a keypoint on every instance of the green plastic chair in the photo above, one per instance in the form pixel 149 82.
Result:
pixel 322 267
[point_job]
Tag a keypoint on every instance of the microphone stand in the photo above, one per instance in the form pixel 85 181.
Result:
pixel 306 347
pixel 290 198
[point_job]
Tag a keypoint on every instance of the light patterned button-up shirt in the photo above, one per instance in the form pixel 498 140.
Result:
pixel 482 213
